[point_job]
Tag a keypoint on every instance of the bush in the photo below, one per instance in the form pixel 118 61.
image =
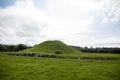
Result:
pixel 58 52
pixel 31 54
pixel 18 54
pixel 53 56
pixel 25 54
pixel 39 55
pixel 44 55
pixel 12 53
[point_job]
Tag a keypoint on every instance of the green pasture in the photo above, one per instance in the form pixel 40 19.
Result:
pixel 38 68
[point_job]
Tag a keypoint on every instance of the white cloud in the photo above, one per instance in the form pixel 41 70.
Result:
pixel 111 11
pixel 72 9
pixel 21 22
pixel 57 19
pixel 108 42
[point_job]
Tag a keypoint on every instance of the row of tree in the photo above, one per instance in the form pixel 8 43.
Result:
pixel 12 48
pixel 98 49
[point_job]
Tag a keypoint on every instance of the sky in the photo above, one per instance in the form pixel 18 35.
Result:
pixel 83 23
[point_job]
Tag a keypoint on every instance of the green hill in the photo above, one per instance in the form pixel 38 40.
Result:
pixel 51 47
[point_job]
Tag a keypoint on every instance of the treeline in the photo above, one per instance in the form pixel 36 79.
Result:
pixel 98 49
pixel 13 48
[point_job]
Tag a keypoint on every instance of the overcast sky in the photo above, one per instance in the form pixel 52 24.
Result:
pixel 75 22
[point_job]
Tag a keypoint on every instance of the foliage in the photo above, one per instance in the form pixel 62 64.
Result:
pixel 98 49
pixel 13 48
pixel 21 47
pixel 58 52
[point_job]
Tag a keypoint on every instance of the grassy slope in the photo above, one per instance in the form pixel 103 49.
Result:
pixel 31 68
pixel 51 47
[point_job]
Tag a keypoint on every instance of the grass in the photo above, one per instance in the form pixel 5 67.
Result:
pixel 51 47
pixel 37 68
pixel 93 55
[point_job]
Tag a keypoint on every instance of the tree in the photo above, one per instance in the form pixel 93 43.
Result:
pixel 21 47
pixel 3 47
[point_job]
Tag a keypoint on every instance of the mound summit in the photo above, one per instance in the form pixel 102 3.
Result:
pixel 51 47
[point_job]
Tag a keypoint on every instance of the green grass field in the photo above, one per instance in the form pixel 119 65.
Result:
pixel 37 68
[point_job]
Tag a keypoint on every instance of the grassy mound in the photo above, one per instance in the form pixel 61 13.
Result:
pixel 51 47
